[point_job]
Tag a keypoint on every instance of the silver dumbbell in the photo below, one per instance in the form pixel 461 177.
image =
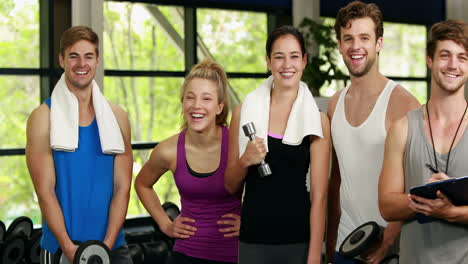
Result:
pixel 249 131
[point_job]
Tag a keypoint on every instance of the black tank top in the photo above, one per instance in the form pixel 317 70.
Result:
pixel 276 208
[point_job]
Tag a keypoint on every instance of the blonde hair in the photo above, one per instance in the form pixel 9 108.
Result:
pixel 210 70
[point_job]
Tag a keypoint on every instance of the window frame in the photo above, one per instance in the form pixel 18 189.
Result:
pixel 55 17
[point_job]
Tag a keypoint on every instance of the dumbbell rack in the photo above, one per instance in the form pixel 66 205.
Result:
pixel 146 242
pixel 19 244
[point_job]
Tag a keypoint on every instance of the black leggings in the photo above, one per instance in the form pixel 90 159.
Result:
pixel 180 258
pixel 273 253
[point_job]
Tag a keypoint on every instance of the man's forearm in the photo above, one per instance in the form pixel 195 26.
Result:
pixel 53 215
pixel 117 214
pixel 394 207
pixel 391 233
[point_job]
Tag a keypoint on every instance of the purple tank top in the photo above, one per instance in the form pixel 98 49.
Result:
pixel 205 199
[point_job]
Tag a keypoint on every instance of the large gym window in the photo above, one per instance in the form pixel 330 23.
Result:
pixel 235 39
pixel 19 93
pixel 143 37
pixel 148 50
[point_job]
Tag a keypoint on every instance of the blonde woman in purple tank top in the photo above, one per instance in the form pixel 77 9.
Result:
pixel 207 229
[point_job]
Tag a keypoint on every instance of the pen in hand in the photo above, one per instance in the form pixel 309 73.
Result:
pixel 429 166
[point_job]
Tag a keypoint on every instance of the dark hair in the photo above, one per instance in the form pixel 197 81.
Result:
pixel 283 31
pixel 355 10
pixel 455 30
pixel 75 34
pixel 210 70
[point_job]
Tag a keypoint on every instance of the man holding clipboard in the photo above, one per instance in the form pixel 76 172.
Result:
pixel 434 135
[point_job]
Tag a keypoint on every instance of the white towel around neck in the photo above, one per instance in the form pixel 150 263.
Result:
pixel 303 120
pixel 64 120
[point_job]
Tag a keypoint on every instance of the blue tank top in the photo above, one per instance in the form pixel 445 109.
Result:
pixel 84 189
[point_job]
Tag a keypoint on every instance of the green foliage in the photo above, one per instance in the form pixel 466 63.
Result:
pixel 19 41
pixel 19 47
pixel 321 68
pixel 128 43
pixel 244 86
pixel 405 46
pixel 236 39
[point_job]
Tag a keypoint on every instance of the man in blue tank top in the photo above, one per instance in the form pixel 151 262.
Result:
pixel 360 116
pixel 79 156
pixel 427 145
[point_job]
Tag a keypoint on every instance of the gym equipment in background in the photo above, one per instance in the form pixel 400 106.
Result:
pixel 362 240
pixel 89 252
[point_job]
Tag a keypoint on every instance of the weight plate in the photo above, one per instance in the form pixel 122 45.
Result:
pixel 171 209
pixel 92 252
pixel 33 248
pixel 155 252
pixel 136 253
pixel 360 239
pixel 20 226
pixel 60 258
pixel 13 250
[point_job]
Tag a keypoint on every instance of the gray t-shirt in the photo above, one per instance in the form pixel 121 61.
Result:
pixel 438 241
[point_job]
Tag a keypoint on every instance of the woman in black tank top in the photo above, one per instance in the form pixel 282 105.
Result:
pixel 281 221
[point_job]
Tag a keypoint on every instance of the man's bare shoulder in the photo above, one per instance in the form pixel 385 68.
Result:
pixel 401 123
pixel 39 116
pixel 38 129
pixel 399 130
pixel 401 102
pixel 401 99
pixel 119 112
pixel 332 104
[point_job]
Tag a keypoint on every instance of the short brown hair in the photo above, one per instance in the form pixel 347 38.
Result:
pixel 75 34
pixel 355 10
pixel 210 70
pixel 455 30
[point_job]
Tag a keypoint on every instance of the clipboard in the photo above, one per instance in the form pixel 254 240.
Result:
pixel 456 189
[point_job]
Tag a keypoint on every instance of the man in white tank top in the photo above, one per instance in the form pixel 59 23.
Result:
pixel 428 136
pixel 360 115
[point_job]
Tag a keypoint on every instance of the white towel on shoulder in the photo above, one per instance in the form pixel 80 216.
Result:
pixel 64 120
pixel 303 120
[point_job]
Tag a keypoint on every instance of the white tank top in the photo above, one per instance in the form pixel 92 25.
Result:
pixel 360 152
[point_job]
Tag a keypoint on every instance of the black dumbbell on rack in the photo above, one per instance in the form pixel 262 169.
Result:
pixel 13 243
pixel 33 247
pixel 20 243
pixel 146 242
